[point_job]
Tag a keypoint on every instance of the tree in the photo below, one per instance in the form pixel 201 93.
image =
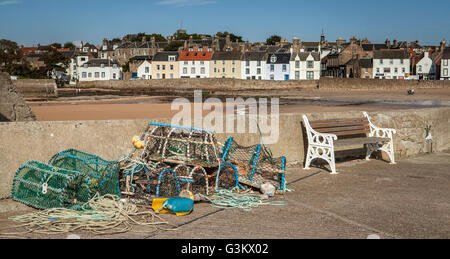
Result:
pixel 9 52
pixel 233 37
pixel 272 40
pixel 69 45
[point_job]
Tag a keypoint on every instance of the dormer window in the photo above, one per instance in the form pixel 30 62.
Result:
pixel 273 59
pixel 86 65
pixel 102 65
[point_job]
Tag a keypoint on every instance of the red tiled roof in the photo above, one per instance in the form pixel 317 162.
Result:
pixel 195 56
pixel 28 50
pixel 63 50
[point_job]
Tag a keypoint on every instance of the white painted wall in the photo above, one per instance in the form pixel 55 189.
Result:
pixel 144 71
pixel 197 66
pixel 445 69
pixel 252 68
pixel 303 70
pixel 105 73
pixel 397 68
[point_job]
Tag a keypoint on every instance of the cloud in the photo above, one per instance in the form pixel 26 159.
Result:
pixel 181 3
pixel 9 2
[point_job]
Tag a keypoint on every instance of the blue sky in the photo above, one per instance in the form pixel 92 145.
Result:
pixel 30 22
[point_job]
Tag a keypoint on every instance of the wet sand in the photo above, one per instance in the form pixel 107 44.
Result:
pixel 152 107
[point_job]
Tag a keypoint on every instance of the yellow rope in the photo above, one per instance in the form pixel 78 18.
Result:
pixel 104 215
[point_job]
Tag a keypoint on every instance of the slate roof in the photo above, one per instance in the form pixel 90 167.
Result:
pixel 164 55
pixel 282 58
pixel 304 55
pixel 446 54
pixel 390 54
pixel 227 55
pixel 254 56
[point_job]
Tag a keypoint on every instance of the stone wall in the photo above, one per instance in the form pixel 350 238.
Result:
pixel 12 105
pixel 44 88
pixel 24 141
pixel 226 84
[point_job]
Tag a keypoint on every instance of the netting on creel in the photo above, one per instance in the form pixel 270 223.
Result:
pixel 44 186
pixel 103 174
pixel 255 163
pixel 181 144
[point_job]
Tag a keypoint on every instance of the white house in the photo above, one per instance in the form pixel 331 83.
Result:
pixel 195 64
pixel 253 65
pixel 305 66
pixel 277 67
pixel 445 65
pixel 144 70
pixel 391 64
pixel 426 68
pixel 75 63
pixel 100 69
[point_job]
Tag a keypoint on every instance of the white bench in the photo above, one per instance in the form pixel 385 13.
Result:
pixel 323 138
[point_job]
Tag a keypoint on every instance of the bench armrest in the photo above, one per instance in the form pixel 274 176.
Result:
pixel 379 132
pixel 316 138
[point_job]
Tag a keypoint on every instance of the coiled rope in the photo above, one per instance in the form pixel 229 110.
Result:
pixel 230 199
pixel 104 215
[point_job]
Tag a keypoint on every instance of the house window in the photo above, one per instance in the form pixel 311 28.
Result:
pixel 193 70
pixel 89 74
pixel 164 67
pixel 445 62
pixel 309 75
pixel 247 71
pixel 445 72
pixel 378 70
pixel 185 62
pixel 310 64
pixel 215 70
pixel 401 61
pixel 247 63
pixel 297 64
pixel 193 62
pixel 297 75
pixel 103 74
pixel 171 67
pixel 272 68
pixel 223 70
pixel 223 62
pixel 184 70
pixel 419 68
pixel 171 76
pixel 147 70
pixel 215 62
pixel 258 64
pixel 396 70
pixel 381 61
pixel 114 75
pixel 97 75
pixel 284 68
pixel 232 62
pixel 83 75
pixel 171 58
pixel 391 62
pixel 403 70
pixel 387 70
pixel 258 71
pixel 202 62
pixel 157 76
pixel 202 71
pixel 272 77
pixel 366 70
pixel 233 70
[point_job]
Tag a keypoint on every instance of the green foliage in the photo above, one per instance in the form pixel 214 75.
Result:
pixel 140 36
pixel 233 37
pixel 9 53
pixel 69 45
pixel 272 40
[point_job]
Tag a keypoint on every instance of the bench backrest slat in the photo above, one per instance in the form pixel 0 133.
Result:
pixel 342 127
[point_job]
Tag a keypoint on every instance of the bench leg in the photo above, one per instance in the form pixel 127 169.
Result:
pixel 326 153
pixel 388 148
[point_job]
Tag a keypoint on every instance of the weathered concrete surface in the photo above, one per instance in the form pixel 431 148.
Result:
pixel 24 141
pixel 12 105
pixel 408 200
pixel 43 88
